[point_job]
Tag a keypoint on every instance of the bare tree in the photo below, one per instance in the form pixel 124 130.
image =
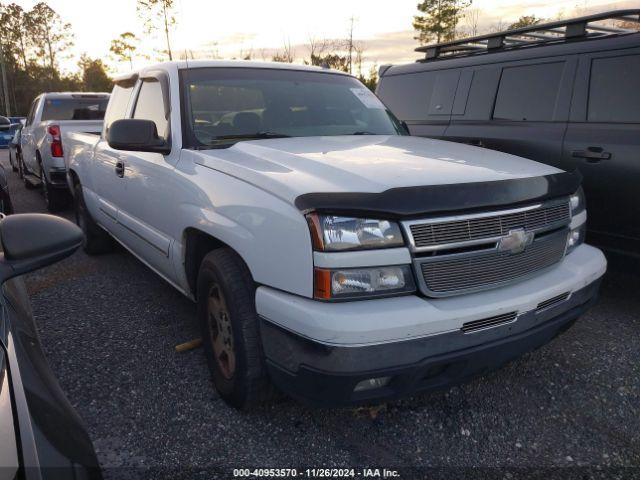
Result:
pixel 317 47
pixel 287 55
pixel 498 26
pixel 471 19
pixel 350 46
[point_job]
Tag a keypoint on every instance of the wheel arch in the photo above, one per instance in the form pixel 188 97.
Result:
pixel 197 244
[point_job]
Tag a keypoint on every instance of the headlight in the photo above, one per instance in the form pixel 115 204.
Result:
pixel 358 283
pixel 335 233
pixel 578 202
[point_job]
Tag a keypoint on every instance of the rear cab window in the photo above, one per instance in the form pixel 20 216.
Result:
pixel 81 108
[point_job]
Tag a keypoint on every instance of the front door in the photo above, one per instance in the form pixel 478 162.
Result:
pixel 151 191
pixel 104 194
pixel 603 142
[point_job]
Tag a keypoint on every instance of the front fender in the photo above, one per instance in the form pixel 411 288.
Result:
pixel 270 235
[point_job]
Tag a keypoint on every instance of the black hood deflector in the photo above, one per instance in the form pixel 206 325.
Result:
pixel 408 202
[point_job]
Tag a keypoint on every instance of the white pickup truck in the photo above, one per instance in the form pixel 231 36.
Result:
pixel 51 117
pixel 330 254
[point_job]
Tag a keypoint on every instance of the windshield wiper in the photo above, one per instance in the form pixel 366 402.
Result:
pixel 363 133
pixel 249 136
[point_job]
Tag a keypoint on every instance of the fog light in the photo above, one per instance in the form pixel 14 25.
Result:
pixel 372 383
pixel 576 237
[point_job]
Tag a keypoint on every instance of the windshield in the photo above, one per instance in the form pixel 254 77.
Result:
pixel 74 108
pixel 227 105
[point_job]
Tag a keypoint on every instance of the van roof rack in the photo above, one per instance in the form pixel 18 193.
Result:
pixel 552 32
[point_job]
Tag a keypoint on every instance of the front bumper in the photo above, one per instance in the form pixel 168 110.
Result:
pixel 326 375
pixel 318 352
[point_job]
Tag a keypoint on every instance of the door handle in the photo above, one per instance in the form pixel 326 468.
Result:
pixel 120 168
pixel 592 154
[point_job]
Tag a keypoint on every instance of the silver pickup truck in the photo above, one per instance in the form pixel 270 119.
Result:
pixel 330 254
pixel 51 116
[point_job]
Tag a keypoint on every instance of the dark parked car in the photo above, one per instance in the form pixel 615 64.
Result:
pixel 565 93
pixel 41 436
pixel 6 131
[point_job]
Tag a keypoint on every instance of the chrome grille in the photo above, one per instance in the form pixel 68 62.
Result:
pixel 446 275
pixel 489 226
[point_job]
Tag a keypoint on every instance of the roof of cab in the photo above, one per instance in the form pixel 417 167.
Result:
pixel 74 94
pixel 182 65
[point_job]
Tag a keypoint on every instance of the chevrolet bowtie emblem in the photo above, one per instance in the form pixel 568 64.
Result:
pixel 516 241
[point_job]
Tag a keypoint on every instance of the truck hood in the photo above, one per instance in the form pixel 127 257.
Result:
pixel 290 167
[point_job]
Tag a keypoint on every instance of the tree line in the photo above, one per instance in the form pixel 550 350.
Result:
pixel 32 43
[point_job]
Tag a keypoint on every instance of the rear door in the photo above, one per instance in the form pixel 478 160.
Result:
pixel 517 107
pixel 603 142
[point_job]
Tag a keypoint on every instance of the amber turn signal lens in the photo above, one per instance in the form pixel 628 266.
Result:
pixel 316 233
pixel 322 284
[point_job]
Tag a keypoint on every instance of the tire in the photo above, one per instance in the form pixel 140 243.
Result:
pixel 25 173
pixel 54 198
pixel 239 370
pixel 20 166
pixel 96 240
pixel 14 165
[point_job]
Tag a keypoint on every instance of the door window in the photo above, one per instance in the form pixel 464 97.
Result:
pixel 614 90
pixel 32 112
pixel 150 106
pixel 118 103
pixel 529 92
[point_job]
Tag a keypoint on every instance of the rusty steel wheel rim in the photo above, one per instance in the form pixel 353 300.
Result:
pixel 220 331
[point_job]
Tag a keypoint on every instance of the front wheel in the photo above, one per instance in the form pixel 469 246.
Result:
pixel 230 331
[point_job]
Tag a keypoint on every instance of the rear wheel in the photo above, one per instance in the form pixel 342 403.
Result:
pixel 54 198
pixel 20 165
pixel 25 174
pixel 230 331
pixel 96 240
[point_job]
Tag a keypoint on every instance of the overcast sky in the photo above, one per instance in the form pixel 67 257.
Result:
pixel 229 28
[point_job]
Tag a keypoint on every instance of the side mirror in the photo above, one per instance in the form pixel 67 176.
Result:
pixel 136 135
pixel 33 240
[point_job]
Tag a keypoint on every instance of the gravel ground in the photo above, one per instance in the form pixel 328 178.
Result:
pixel 109 327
